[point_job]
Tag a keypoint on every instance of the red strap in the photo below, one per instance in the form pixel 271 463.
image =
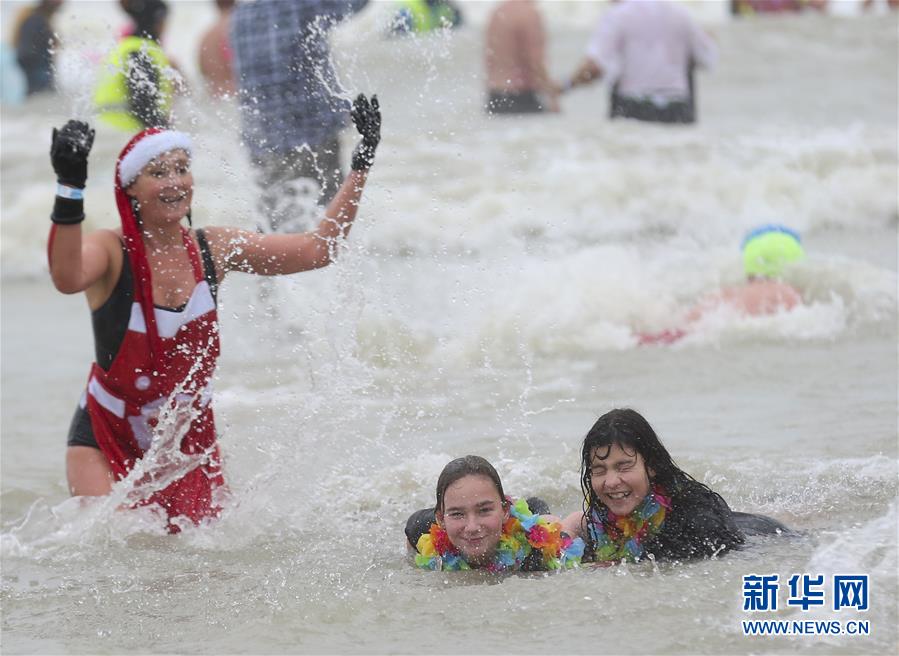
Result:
pixel 193 253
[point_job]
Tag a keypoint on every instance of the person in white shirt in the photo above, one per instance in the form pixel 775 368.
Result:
pixel 646 50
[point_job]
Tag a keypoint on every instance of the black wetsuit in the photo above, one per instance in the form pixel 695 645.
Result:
pixel 701 524
pixel 110 322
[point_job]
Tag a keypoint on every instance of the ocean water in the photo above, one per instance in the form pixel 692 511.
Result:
pixel 487 301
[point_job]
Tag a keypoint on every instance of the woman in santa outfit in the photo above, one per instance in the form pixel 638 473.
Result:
pixel 151 287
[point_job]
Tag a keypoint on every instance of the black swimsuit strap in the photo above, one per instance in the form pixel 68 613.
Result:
pixel 208 263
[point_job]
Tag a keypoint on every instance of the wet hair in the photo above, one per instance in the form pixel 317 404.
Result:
pixel 462 467
pixel 629 429
pixel 146 15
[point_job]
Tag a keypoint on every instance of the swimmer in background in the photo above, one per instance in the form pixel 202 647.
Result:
pixel 474 525
pixel 767 250
pixel 514 59
pixel 647 50
pixel 421 16
pixel 215 57
pixel 638 503
pixel 36 44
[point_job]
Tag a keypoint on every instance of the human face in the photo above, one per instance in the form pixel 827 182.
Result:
pixel 619 478
pixel 164 188
pixel 473 516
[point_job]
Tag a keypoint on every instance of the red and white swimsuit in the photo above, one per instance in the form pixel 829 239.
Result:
pixel 126 401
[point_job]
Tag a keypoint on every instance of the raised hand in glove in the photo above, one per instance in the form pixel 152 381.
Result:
pixel 367 117
pixel 68 152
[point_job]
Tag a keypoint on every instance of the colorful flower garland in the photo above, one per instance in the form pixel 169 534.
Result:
pixel 622 538
pixel 522 533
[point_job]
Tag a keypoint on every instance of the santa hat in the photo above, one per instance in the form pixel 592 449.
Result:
pixel 145 147
pixel 137 153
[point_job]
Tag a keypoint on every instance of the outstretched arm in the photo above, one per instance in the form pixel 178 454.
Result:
pixel 277 254
pixel 586 73
pixel 239 250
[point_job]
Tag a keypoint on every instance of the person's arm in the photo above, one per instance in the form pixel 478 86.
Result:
pixel 239 250
pixel 75 263
pixel 589 71
pixel 534 45
pixel 602 56
pixel 573 524
pixel 278 254
pixel 703 49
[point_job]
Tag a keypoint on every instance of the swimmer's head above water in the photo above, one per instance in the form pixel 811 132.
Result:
pixel 472 507
pixel 621 459
pixel 768 249
pixel 148 15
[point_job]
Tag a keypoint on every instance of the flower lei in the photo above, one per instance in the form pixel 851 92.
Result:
pixel 622 538
pixel 522 533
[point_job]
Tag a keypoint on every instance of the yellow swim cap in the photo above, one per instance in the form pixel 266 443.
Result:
pixel 768 248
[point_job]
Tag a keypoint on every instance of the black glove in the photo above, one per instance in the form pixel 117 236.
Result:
pixel 367 117
pixel 68 153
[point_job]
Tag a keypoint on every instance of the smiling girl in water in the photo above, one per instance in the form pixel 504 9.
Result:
pixel 478 527
pixel 638 503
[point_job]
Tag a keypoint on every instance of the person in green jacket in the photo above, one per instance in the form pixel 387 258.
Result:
pixel 137 82
pixel 425 16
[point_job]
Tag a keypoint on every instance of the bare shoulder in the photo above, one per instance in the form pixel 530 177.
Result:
pixel 573 524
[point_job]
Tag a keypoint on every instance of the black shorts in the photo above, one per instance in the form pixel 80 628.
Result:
pixel 525 102
pixel 81 433
pixel 751 524
pixel 679 111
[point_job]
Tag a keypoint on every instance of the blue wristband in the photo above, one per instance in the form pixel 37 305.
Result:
pixel 72 193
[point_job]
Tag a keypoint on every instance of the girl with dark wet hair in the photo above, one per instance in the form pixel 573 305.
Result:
pixel 474 525
pixel 638 503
